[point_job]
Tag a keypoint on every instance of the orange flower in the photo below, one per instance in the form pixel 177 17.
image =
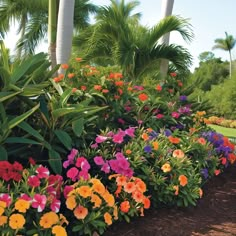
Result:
pixel 129 187
pixel 22 205
pixel 155 145
pixel 146 203
pixel 71 75
pixel 121 180
pixel 2 207
pixel 183 180
pixel 200 192
pixel 158 87
pixel 84 191
pixel 130 89
pixel 120 91
pixel 232 158
pixel 118 190
pixel 145 136
pixel 176 188
pixel 109 198
pixel 57 79
pixel 105 91
pixel 48 220
pixel 137 196
pixel 64 66
pixel 173 74
pixel 98 87
pixel 58 230
pixel 174 140
pixel 83 87
pixel 108 218
pixel 74 90
pixel 3 220
pixel 78 59
pixel 166 168
pixel 217 172
pixel 128 151
pixel 71 202
pixel 99 188
pixel 202 141
pixel 115 212
pixel 116 97
pixel 16 221
pixel 80 212
pixel 119 83
pixel 125 206
pixel 96 200
pixel 178 153
pixel 141 186
pixel 143 97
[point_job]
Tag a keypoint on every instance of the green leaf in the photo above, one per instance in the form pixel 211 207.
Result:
pixel 30 130
pixel 6 95
pixel 3 156
pixel 21 140
pixel 77 228
pixel 64 138
pixel 64 97
pixel 55 161
pixel 78 126
pixel 17 120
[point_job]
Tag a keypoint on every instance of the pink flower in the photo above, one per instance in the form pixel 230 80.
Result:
pixel 175 114
pixel 117 138
pixel 5 197
pixel 67 190
pixel 52 191
pixel 130 131
pixel 83 174
pixel 72 173
pixel 121 121
pixel 106 167
pixel 39 202
pixel 82 163
pixel 42 172
pixel 33 181
pixel 98 160
pixel 100 139
pixel 159 116
pixel 95 145
pixel 55 205
pixel 25 197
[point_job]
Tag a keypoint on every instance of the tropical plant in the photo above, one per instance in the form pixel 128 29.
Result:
pixel 118 38
pixel 226 44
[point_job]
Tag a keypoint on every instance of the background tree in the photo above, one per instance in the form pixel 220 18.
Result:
pixel 226 44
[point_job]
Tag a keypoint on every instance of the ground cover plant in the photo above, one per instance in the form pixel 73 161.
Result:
pixel 111 149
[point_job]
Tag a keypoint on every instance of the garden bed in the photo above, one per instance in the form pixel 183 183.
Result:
pixel 215 214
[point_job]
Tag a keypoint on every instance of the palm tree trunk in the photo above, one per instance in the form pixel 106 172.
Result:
pixel 166 10
pixel 64 31
pixel 52 30
pixel 22 33
pixel 230 64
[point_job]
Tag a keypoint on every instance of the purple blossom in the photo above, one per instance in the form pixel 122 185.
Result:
pixel 183 98
pixel 148 149
pixel 204 172
pixel 167 133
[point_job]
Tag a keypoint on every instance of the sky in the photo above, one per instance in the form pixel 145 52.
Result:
pixel 210 19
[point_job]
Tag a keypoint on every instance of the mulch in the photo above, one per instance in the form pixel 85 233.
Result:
pixel 214 215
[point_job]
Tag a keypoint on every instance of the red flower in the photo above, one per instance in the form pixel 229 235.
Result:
pixel 42 172
pixel 33 181
pixel 173 74
pixel 158 87
pixel 143 97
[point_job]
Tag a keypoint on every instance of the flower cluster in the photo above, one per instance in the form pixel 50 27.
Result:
pixel 10 171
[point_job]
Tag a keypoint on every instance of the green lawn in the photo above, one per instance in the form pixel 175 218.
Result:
pixel 229 132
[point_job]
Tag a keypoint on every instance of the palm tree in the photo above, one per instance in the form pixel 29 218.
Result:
pixel 118 38
pixel 166 10
pixel 226 44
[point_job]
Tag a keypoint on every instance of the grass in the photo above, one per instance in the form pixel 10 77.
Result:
pixel 229 132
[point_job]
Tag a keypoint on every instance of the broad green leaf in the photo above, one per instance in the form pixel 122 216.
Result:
pixel 64 97
pixel 3 154
pixel 55 161
pixel 64 138
pixel 78 126
pixel 6 95
pixel 17 120
pixel 25 66
pixel 21 140
pixel 5 77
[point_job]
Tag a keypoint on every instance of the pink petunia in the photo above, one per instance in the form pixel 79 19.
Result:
pixel 106 168
pixel 175 114
pixel 33 181
pixel 25 197
pixel 42 172
pixel 98 160
pixel 67 190
pixel 117 138
pixel 159 116
pixel 83 174
pixel 72 173
pixel 5 197
pixel 39 202
pixel 130 131
pixel 55 205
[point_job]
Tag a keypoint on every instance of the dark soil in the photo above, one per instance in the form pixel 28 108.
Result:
pixel 215 214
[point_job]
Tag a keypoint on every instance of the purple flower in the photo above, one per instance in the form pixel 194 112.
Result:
pixel 98 160
pixel 204 172
pixel 183 98
pixel 167 133
pixel 148 149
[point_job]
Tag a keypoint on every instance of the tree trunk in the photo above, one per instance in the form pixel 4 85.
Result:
pixel 166 10
pixel 230 64
pixel 52 31
pixel 64 31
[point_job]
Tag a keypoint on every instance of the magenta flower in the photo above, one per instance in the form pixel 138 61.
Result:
pixel 98 160
pixel 67 190
pixel 106 167
pixel 159 116
pixel 100 139
pixel 121 121
pixel 130 131
pixel 51 191
pixel 83 174
pixel 42 172
pixel 123 163
pixel 175 114
pixel 39 202
pixel 118 138
pixel 55 205
pixel 95 145
pixel 25 197
pixel 5 197
pixel 72 173
pixel 33 181
pixel 82 163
